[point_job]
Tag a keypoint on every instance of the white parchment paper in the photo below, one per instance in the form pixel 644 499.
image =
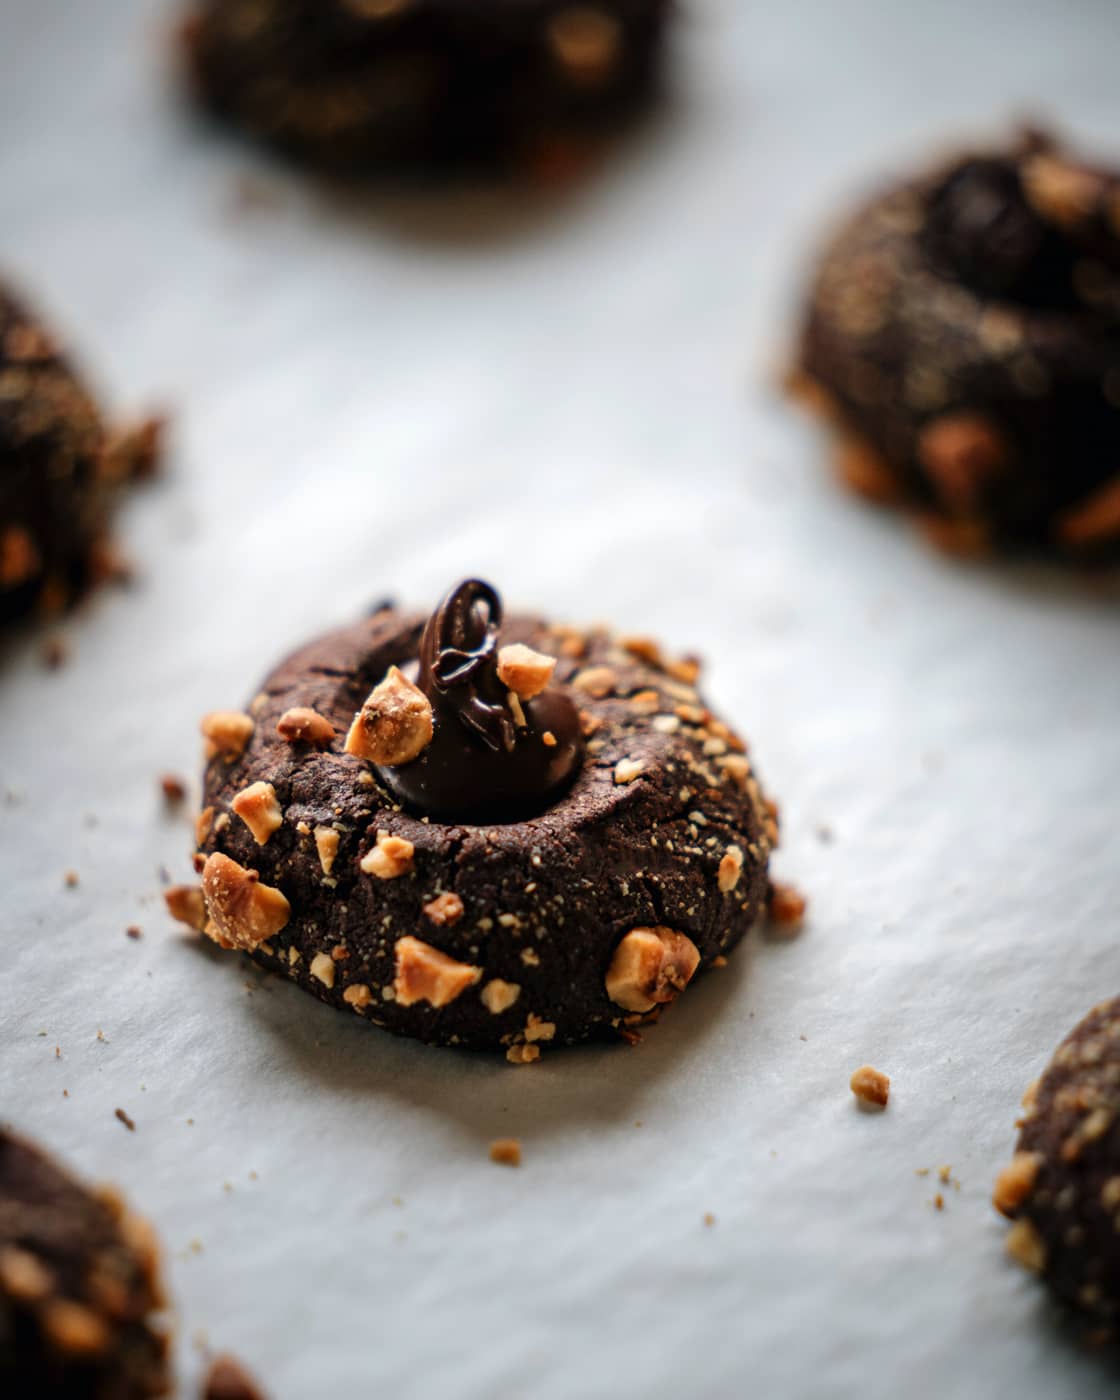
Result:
pixel 341 374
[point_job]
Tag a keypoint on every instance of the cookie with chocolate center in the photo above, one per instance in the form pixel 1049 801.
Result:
pixel 365 85
pixel 480 831
pixel 79 1283
pixel 1062 1187
pixel 963 336
pixel 60 470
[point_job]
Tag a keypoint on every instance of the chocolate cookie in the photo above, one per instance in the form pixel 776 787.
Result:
pixel 361 85
pixel 1062 1187
pixel 963 333
pixel 79 1281
pixel 480 844
pixel 60 468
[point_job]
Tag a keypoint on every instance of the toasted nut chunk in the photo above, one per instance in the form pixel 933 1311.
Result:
pixel 243 912
pixel 394 726
pixel 506 1152
pixel 871 1086
pixel 536 1029
pixel 644 648
pixel 226 733
pixel 597 681
pixel 326 843
pixel 961 453
pixel 390 858
pixel 523 1054
pixel 74 1328
pixel 1060 192
pixel 645 702
pixel 686 670
pixel 1016 1182
pixel 730 868
pixel 650 966
pixel 426 974
pixel 444 909
pixel 586 42
pixel 1026 1246
pixel 19 559
pixel 23 1276
pixel 737 768
pixel 498 996
pixel 786 909
pixel 186 904
pixel 202 824
pixel 627 769
pixel 258 808
pixel 1093 521
pixel 303 725
pixel 865 472
pixel 357 995
pixel 322 969
pixel 526 672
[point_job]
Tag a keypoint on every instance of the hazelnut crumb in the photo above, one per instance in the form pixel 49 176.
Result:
pixel 394 725
pixel 650 966
pixel 1016 1182
pixel 125 1119
pixel 709 1218
pixel 871 1086
pixel 358 995
pixel 322 969
pixel 227 1379
pixel 596 681
pixel 173 788
pixel 1026 1246
pixel 785 909
pixel 134 931
pixel 524 671
pixel 627 769
pixel 548 739
pixel 326 844
pixel 730 868
pixel 423 973
pixel 498 996
pixel 939 1201
pixel 523 1054
pixel 70 879
pixel 244 912
pixel 506 1152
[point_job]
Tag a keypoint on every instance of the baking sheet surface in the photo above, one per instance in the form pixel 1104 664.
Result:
pixel 573 398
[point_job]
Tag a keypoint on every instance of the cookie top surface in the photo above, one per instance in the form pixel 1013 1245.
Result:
pixel 352 84
pixel 78 1283
pixel 965 328
pixel 662 826
pixel 1063 1185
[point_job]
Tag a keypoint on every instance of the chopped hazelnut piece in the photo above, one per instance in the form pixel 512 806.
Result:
pixel 303 725
pixel 74 1328
pixel 536 1029
pixel 506 1152
pixel 737 768
pixel 687 670
pixel 871 1086
pixel 548 739
pixel 1026 1246
pixel 596 681
pixel 226 733
pixel 243 912
pixel 326 844
pixel 650 966
pixel 24 1276
pixel 186 905
pixel 390 858
pixel 1061 193
pixel 394 725
pixel 1093 521
pixel 202 824
pixel 526 672
pixel 730 868
pixel 258 808
pixel 645 702
pixel 586 42
pixel 961 453
pixel 644 648
pixel 786 909
pixel 322 969
pixel 1016 1182
pixel 627 769
pixel 426 974
pixel 498 996
pixel 865 471
pixel 357 995
pixel 19 559
pixel 523 1054
pixel 445 909
pixel 173 789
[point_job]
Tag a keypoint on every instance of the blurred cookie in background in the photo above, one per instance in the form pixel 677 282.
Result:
pixel 962 336
pixel 352 86
pixel 61 467
pixel 79 1287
